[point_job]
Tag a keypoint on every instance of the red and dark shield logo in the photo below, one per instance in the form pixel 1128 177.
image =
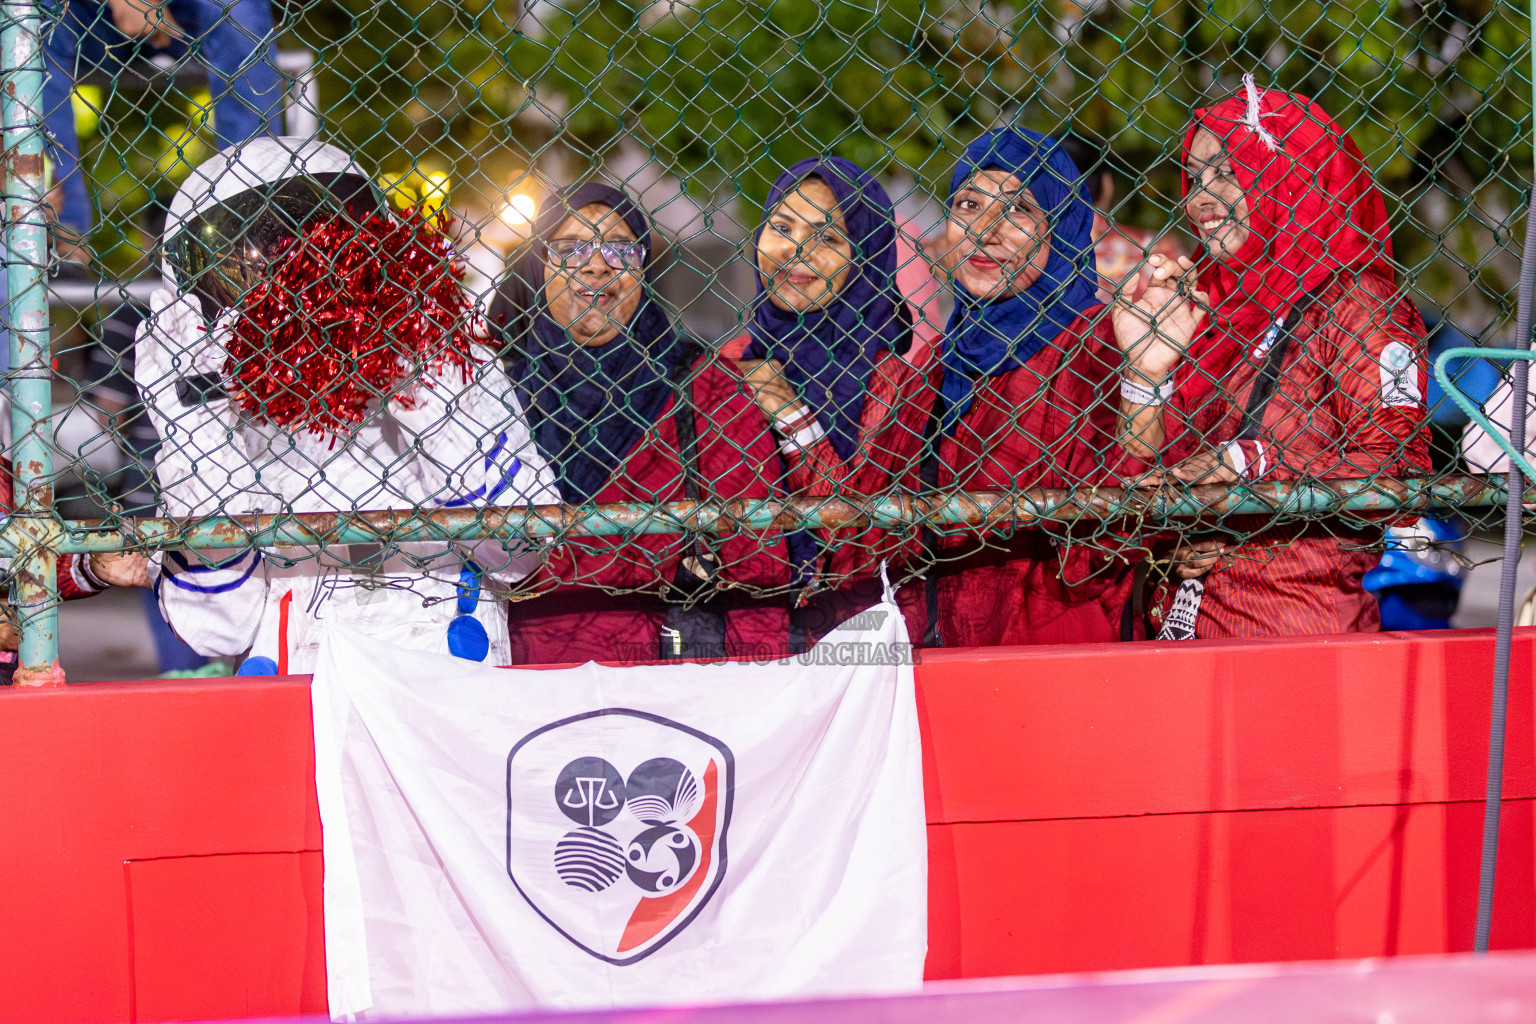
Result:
pixel 616 827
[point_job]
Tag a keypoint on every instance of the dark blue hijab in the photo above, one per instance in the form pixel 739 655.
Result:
pixel 991 338
pixel 829 354
pixel 587 407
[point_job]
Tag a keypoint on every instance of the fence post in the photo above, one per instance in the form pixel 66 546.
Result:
pixel 33 523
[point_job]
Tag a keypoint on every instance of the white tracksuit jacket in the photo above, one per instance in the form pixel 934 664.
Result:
pixel 464 444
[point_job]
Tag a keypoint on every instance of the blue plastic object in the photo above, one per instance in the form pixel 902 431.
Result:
pixel 1421 553
pixel 467 637
pixel 1418 582
pixel 257 665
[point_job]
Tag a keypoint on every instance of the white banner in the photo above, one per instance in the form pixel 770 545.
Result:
pixel 503 839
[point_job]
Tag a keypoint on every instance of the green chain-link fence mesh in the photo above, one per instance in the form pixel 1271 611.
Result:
pixel 473 113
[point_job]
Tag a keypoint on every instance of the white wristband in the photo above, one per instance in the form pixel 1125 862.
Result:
pixel 1141 395
pixel 1236 457
pixel 1240 463
pixel 800 429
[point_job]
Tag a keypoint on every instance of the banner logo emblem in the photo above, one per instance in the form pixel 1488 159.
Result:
pixel 616 826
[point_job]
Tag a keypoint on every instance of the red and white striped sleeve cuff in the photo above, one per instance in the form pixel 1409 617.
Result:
pixel 1248 458
pixel 799 430
pixel 76 579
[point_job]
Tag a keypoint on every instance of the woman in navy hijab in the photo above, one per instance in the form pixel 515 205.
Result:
pixel 626 408
pixel 1030 369
pixel 823 353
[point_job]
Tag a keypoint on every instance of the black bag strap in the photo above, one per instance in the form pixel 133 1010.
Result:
pixel 698 630
pixel 1268 380
pixel 684 419
pixel 1135 610
pixel 685 422
pixel 1185 610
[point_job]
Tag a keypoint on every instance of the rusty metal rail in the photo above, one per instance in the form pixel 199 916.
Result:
pixel 1349 499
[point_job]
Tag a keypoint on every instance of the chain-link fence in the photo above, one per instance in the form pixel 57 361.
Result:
pixel 681 306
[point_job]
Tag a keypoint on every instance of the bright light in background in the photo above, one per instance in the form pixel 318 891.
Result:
pixel 518 210
pixel 432 194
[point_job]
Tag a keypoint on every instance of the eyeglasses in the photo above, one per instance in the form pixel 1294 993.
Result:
pixel 572 254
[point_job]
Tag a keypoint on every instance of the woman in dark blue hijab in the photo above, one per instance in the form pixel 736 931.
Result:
pixel 1029 400
pixel 628 409
pixel 591 361
pixel 827 305
pixel 823 352
pixel 1028 272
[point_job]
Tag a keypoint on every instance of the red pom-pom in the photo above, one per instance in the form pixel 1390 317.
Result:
pixel 346 315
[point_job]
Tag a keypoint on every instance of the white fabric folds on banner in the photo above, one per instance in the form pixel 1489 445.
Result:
pixel 504 839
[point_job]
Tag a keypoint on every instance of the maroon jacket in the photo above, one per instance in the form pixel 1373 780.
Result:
pixel 1049 423
pixel 598 599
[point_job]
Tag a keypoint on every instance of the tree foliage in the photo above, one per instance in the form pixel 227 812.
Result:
pixel 721 94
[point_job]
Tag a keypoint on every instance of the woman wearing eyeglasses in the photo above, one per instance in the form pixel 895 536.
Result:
pixel 627 408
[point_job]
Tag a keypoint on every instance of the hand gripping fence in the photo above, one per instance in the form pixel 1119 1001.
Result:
pixel 350 397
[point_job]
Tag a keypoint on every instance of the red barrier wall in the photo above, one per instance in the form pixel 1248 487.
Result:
pixel 1090 808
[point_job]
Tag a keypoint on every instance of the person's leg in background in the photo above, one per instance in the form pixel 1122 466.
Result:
pixel 78 35
pixel 236 42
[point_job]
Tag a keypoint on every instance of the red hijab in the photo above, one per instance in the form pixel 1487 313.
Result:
pixel 1314 209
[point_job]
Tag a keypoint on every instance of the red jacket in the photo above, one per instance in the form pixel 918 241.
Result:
pixel 1349 403
pixel 599 593
pixel 1046 424
pixel 898 403
pixel 1350 397
pixel 1050 423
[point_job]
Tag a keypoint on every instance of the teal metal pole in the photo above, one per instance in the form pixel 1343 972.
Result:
pixel 33 524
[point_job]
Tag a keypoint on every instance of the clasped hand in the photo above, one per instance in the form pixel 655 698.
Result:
pixel 1155 330
pixel 1198 557
pixel 1207 467
pixel 775 394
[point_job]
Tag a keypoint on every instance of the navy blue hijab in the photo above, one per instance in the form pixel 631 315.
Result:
pixel 829 354
pixel 991 338
pixel 586 407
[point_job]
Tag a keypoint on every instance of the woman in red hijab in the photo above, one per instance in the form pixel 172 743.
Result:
pixel 1287 351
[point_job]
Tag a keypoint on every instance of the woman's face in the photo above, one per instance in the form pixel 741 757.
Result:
pixel 803 253
pixel 584 291
pixel 999 238
pixel 1216 205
